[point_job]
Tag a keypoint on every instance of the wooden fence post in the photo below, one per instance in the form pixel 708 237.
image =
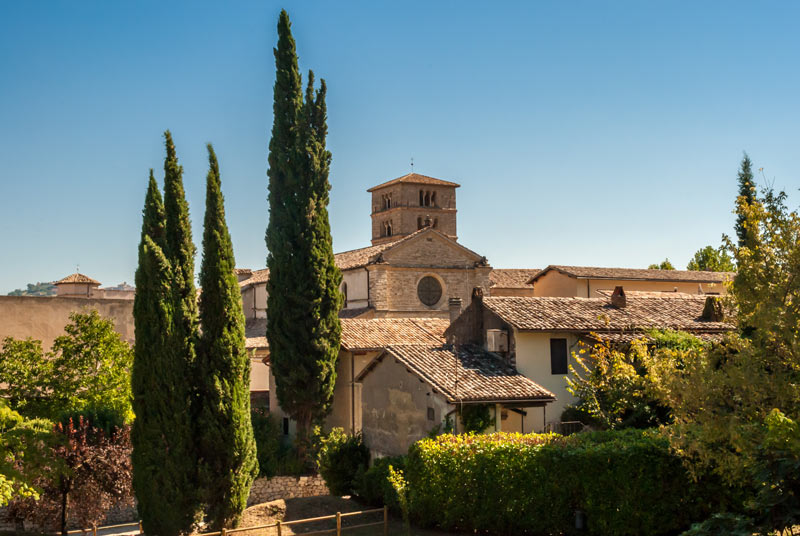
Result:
pixel 94 529
pixel 223 531
pixel 278 524
pixel 338 524
pixel 140 527
pixel 385 520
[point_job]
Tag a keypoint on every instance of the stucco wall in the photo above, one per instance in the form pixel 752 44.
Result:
pixel 44 318
pixel 254 301
pixel 533 361
pixel 346 395
pixel 259 375
pixel 357 288
pixel 395 408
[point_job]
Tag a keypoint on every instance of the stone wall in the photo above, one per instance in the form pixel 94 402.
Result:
pixel 286 487
pixel 263 490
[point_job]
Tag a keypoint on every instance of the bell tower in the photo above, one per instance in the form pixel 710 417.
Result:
pixel 412 202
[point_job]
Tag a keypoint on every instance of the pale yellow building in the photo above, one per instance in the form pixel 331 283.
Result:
pixel 538 335
pixel 586 281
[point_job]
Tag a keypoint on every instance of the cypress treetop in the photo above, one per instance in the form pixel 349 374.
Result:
pixel 747 195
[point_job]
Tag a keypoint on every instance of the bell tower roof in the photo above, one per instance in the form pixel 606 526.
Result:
pixel 415 178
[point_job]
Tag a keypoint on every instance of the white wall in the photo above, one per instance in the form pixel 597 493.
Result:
pixel 357 288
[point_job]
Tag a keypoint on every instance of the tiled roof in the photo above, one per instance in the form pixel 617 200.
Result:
pixel 415 178
pixel 474 376
pixel 378 333
pixel 258 276
pixel 356 258
pixel 512 277
pixel 681 312
pixel 592 272
pixel 255 332
pixel 78 278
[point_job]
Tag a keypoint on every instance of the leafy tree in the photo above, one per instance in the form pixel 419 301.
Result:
pixel 303 298
pixel 664 265
pixel 476 418
pixel 619 386
pixel 725 400
pixel 21 442
pixel 710 259
pixel 88 472
pixel 747 196
pixel 164 459
pixel 88 368
pixel 226 447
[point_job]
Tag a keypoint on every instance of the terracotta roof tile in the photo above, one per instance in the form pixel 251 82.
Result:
pixel 415 178
pixel 681 312
pixel 593 272
pixel 255 332
pixel 258 276
pixel 77 278
pixel 482 376
pixel 378 333
pixel 512 277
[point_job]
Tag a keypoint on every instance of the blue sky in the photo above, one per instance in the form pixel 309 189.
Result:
pixel 591 133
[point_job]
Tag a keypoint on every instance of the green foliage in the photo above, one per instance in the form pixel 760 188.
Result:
pixel 663 265
pixel 718 524
pixel 710 259
pixel 303 298
pixel 88 369
pixel 21 445
pixel 373 484
pixel 164 459
pixel 476 418
pixel 339 459
pixel 628 482
pixel 620 386
pixel 38 289
pixel 225 444
pixel 400 486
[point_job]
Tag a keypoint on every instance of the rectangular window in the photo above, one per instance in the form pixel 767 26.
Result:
pixel 285 426
pixel 431 415
pixel 558 356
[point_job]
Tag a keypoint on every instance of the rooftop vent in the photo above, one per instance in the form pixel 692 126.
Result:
pixel 618 299
pixel 454 305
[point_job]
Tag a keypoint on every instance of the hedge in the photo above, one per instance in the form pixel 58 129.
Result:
pixel 372 484
pixel 625 483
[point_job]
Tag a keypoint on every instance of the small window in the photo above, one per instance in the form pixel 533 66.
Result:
pixel 286 426
pixel 421 198
pixel 558 356
pixel 431 415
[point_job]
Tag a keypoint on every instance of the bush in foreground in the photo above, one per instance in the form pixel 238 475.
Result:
pixel 339 459
pixel 625 482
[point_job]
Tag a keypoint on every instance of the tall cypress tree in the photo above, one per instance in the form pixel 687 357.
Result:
pixel 177 372
pixel 303 298
pixel 153 434
pixel 225 442
pixel 747 191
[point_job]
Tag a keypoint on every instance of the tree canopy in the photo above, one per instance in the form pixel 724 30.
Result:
pixel 711 259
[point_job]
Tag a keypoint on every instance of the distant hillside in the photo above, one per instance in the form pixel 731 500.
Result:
pixel 39 289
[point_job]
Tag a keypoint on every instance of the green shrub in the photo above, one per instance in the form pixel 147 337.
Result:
pixel 476 418
pixel 373 485
pixel 626 482
pixel 339 458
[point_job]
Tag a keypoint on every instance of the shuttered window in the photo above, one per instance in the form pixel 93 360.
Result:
pixel 558 356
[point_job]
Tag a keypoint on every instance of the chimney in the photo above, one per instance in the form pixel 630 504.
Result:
pixel 618 299
pixel 455 308
pixel 712 311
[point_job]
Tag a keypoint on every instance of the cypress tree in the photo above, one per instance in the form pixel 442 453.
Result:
pixel 747 195
pixel 225 442
pixel 303 298
pixel 152 429
pixel 178 360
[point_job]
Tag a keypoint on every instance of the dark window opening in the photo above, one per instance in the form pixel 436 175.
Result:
pixel 286 426
pixel 429 290
pixel 344 293
pixel 433 199
pixel 421 198
pixel 558 356
pixel 431 415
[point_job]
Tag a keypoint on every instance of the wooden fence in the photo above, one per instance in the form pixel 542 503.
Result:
pixel 338 516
